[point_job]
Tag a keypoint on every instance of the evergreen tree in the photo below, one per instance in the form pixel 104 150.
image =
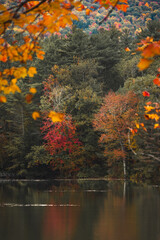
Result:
pixel 106 54
pixel 19 130
pixel 152 30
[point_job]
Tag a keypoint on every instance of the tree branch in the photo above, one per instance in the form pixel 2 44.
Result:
pixel 29 10
pixel 152 156
pixel 109 12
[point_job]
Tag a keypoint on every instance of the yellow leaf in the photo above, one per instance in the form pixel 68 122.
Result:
pixel 137 125
pixel 33 90
pixel 153 116
pixel 20 72
pixel 144 63
pixel 14 88
pixel 148 108
pixel 35 115
pixel 32 71
pixel 156 125
pixel 56 117
pixel 67 20
pixel 40 55
pixel 3 99
pixel 147 5
pixel 19 21
pixel 14 81
pixel 3 82
pixel 7 90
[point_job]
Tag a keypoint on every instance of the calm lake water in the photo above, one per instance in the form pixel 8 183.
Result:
pixel 79 210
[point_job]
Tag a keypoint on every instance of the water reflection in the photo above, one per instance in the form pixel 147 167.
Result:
pixel 83 210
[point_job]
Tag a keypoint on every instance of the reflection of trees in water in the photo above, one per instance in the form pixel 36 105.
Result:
pixel 148 207
pixel 115 211
pixel 21 222
pixel 25 222
pixel 118 218
pixel 74 222
pixel 23 191
pixel 133 215
pixel 93 184
pixel 93 203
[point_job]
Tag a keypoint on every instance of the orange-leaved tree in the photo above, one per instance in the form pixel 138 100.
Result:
pixel 33 20
pixel 114 119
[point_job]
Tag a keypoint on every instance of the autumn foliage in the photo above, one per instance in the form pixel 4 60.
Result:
pixel 33 20
pixel 114 120
pixel 61 136
pixel 149 49
pixel 61 142
pixel 23 23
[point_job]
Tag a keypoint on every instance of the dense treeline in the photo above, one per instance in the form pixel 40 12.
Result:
pixel 134 20
pixel 77 76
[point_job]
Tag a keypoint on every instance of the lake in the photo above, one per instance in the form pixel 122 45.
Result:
pixel 79 210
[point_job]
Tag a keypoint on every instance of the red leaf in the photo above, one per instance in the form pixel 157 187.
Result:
pixel 157 81
pixel 146 94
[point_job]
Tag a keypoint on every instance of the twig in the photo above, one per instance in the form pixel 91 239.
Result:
pixel 108 14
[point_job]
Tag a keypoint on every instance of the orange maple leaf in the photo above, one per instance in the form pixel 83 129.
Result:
pixel 88 11
pixel 3 99
pixel 127 49
pixel 35 115
pixel 33 90
pixel 147 5
pixel 144 63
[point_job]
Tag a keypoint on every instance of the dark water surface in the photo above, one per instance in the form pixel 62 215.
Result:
pixel 79 210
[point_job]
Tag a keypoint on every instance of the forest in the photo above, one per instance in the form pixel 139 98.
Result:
pixel 107 99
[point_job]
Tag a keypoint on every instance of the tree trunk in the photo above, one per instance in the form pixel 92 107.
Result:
pixel 124 168
pixel 124 163
pixel 22 119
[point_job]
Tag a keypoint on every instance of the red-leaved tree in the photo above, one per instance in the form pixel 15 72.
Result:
pixel 62 143
pixel 114 119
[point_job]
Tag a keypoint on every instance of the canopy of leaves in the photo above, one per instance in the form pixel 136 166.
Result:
pixel 114 119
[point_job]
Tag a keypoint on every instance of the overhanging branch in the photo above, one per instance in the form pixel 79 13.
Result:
pixel 109 12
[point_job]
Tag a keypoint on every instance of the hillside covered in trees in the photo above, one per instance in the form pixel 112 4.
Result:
pixel 133 21
pixel 89 75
